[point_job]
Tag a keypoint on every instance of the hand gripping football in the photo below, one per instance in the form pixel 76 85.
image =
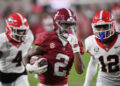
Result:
pixel 38 65
pixel 41 60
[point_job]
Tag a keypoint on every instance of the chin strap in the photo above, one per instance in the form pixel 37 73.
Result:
pixel 102 34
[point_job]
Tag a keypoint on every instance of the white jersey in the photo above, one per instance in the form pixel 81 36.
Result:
pixel 13 53
pixel 107 57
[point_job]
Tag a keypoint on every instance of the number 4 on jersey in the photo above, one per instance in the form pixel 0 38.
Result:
pixel 18 58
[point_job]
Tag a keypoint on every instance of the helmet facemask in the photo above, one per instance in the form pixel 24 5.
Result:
pixel 18 33
pixel 106 32
pixel 65 28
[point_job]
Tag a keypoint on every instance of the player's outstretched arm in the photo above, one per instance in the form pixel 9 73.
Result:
pixel 37 50
pixel 91 71
pixel 35 68
pixel 78 62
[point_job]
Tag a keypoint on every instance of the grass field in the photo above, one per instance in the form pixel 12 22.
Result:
pixel 74 78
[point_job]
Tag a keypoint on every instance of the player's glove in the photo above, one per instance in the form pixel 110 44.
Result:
pixel 35 68
pixel 72 39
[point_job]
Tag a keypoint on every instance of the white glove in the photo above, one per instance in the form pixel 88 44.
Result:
pixel 35 68
pixel 72 39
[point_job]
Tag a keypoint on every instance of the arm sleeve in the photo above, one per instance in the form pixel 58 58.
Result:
pixel 42 39
pixel 91 71
pixel 88 46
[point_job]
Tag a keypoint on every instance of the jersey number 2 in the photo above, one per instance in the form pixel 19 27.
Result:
pixel 18 58
pixel 61 65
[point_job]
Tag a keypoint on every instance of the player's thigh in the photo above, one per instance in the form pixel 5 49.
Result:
pixel 22 81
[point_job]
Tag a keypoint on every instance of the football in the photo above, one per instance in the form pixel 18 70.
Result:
pixel 42 60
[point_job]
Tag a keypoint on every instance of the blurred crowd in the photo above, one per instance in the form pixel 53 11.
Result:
pixel 39 13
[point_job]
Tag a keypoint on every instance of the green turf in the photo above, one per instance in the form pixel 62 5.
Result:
pixel 78 80
pixel 33 81
pixel 74 78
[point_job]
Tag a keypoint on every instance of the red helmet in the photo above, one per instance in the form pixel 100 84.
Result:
pixel 17 26
pixel 63 16
pixel 103 18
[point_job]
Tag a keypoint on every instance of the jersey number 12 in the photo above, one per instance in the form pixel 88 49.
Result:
pixel 112 65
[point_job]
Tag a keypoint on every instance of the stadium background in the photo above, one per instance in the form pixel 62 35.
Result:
pixel 38 13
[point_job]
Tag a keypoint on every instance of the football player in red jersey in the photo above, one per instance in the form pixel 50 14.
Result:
pixel 14 44
pixel 104 48
pixel 61 48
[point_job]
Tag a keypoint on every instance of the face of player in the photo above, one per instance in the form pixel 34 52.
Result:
pixel 103 31
pixel 20 34
pixel 102 28
pixel 67 29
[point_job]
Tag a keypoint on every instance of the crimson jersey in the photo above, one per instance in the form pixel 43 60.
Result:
pixel 60 58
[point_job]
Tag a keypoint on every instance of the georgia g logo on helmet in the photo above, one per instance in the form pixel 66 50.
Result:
pixel 10 20
pixel 17 27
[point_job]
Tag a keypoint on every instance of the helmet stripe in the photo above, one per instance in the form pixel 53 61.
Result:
pixel 69 12
pixel 101 12
pixel 21 17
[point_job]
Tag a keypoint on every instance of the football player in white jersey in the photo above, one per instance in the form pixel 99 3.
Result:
pixel 104 48
pixel 14 44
